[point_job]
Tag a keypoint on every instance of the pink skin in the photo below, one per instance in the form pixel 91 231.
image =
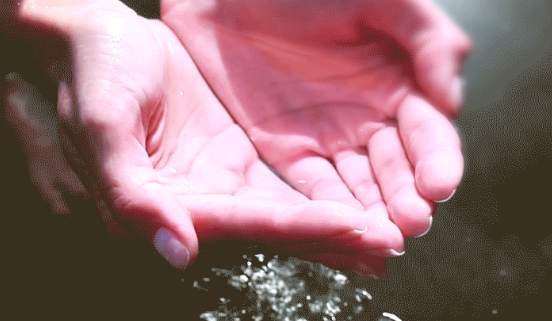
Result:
pixel 154 146
pixel 350 101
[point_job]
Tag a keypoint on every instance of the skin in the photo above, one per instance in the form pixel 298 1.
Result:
pixel 163 159
pixel 356 118
pixel 350 101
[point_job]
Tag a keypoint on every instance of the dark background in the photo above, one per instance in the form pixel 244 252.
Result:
pixel 488 256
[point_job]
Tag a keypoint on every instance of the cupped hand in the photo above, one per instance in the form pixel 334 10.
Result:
pixel 152 143
pixel 350 101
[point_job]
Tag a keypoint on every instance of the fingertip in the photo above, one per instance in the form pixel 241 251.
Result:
pixel 427 229
pixel 381 236
pixel 448 197
pixel 151 212
pixel 439 175
pixel 410 212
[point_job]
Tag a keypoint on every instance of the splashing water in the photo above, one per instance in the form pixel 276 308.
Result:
pixel 289 290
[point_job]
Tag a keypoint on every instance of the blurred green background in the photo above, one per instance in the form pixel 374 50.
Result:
pixel 488 256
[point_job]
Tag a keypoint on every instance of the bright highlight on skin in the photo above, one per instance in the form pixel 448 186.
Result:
pixel 171 48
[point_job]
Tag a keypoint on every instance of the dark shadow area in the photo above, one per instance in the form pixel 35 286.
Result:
pixel 145 8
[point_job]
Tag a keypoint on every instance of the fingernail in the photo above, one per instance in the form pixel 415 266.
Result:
pixel 457 91
pixel 166 243
pixel 448 198
pixel 426 231
pixel 386 253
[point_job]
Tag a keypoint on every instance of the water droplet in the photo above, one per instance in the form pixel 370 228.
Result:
pixel 173 170
pixel 364 293
pixel 171 48
pixel 181 93
pixel 301 181
pixel 495 311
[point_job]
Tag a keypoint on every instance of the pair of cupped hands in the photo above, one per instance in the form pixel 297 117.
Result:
pixel 176 126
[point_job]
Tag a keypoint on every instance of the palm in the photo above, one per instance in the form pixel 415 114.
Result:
pixel 329 99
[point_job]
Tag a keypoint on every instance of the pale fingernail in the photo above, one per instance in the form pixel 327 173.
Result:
pixel 457 91
pixel 386 253
pixel 168 245
pixel 448 198
pixel 426 231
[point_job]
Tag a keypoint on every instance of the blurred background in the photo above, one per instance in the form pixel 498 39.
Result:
pixel 488 256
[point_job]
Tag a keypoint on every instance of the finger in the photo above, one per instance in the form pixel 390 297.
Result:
pixel 225 216
pixel 436 44
pixel 433 147
pixel 354 168
pixel 140 202
pixel 410 211
pixel 117 171
pixel 317 178
pixel 355 242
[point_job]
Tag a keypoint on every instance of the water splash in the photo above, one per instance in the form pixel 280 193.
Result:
pixel 271 288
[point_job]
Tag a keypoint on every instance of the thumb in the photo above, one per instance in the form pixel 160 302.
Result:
pixel 106 149
pixel 438 47
pixel 152 212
